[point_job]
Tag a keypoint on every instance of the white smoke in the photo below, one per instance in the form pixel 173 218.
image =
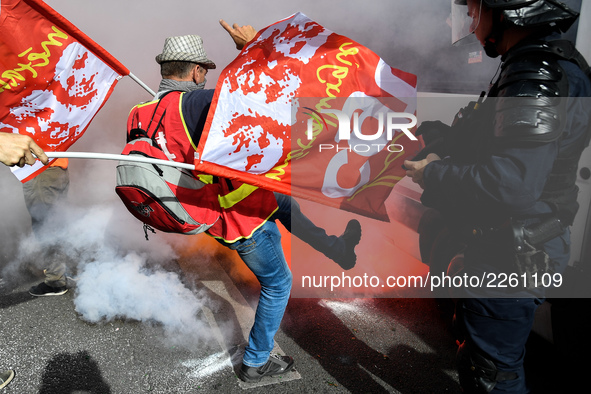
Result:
pixel 118 274
pixel 126 288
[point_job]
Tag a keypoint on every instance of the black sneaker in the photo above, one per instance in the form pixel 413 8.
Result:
pixel 42 290
pixel 276 365
pixel 351 236
pixel 6 377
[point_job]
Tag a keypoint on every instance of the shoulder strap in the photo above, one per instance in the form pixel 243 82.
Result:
pixel 159 112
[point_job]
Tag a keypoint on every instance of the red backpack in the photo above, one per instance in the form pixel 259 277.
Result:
pixel 163 197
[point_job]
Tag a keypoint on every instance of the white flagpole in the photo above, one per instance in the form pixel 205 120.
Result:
pixel 109 156
pixel 143 85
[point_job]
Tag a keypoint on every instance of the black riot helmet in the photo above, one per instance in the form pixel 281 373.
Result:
pixel 544 14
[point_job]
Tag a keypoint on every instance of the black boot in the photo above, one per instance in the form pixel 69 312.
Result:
pixel 351 237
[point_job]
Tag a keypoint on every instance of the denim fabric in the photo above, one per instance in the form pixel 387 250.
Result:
pixel 291 216
pixel 263 255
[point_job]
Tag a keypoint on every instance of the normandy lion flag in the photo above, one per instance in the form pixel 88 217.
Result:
pixel 279 118
pixel 53 78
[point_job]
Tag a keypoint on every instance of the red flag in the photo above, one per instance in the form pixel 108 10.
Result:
pixel 292 72
pixel 53 78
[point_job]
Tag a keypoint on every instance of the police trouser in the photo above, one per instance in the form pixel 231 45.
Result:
pixel 495 329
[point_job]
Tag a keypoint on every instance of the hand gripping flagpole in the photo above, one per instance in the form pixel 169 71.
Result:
pixel 109 156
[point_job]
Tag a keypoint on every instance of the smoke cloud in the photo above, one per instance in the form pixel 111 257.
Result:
pixel 118 274
pixel 125 288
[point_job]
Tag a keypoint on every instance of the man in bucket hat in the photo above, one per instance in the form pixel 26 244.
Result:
pixel 247 220
pixel 178 55
pixel 177 63
pixel 243 226
pixel 184 49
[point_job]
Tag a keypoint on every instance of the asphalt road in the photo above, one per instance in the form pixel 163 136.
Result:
pixel 340 345
pixel 379 345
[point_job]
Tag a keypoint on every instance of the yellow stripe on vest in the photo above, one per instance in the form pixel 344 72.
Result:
pixel 207 179
pixel 234 197
pixel 183 120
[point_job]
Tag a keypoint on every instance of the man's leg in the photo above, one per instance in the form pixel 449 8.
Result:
pixel 55 273
pixel 339 249
pixel 41 194
pixel 263 255
pixel 495 332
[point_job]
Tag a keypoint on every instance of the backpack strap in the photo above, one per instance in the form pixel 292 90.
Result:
pixel 159 113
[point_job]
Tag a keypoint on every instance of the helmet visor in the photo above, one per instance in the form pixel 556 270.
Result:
pixel 464 21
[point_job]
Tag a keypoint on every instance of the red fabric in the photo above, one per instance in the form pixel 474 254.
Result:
pixel 236 222
pixel 54 80
pixel 50 14
pixel 256 128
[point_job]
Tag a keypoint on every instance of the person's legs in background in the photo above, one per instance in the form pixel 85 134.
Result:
pixel 42 193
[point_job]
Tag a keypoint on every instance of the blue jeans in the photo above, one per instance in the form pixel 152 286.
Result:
pixel 292 218
pixel 263 255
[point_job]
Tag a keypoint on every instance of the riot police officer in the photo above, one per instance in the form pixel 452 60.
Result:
pixel 507 186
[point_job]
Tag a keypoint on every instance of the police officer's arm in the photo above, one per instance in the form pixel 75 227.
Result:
pixel 17 149
pixel 511 179
pixel 528 124
pixel 240 34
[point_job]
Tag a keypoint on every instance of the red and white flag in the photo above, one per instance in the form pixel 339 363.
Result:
pixel 53 78
pixel 258 127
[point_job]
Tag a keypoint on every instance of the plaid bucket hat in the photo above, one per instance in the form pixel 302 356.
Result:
pixel 184 49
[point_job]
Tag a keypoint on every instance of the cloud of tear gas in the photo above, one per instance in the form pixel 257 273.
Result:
pixel 126 289
pixel 119 275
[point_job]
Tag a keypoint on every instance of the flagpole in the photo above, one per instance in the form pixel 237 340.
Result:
pixel 109 156
pixel 143 85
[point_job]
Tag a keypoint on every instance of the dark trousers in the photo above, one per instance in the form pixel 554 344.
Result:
pixel 292 218
pixel 497 323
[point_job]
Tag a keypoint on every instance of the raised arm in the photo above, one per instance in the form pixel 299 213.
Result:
pixel 240 34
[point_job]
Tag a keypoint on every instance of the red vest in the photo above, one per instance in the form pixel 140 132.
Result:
pixel 244 208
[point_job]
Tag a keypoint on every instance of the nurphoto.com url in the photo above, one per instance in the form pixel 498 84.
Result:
pixel 432 282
